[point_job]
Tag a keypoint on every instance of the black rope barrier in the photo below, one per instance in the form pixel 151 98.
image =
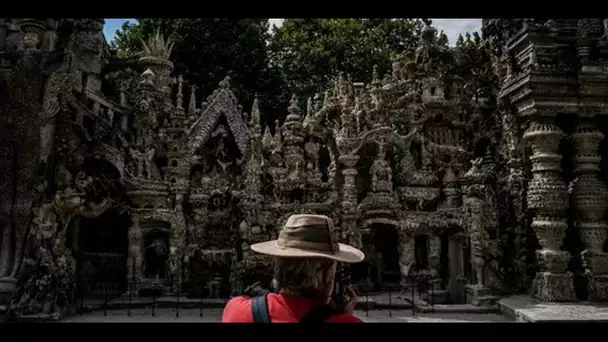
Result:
pixel 105 300
pixel 131 287
pixel 81 300
pixel 390 302
pixel 201 302
pixel 418 283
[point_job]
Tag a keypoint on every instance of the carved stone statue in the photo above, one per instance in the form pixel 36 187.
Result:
pixel 58 93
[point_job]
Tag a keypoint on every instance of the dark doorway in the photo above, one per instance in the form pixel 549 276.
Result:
pixel 468 267
pixel 386 241
pixel 156 249
pixel 421 250
pixel 102 252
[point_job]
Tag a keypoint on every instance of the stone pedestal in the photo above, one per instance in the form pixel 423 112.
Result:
pixel 479 295
pixel 554 287
pixel 598 288
pixel 7 288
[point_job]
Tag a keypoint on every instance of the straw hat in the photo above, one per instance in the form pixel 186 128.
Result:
pixel 309 236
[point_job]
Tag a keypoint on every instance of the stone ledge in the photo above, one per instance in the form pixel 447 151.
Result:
pixel 527 309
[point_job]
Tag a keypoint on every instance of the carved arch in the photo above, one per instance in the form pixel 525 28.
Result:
pixel 224 103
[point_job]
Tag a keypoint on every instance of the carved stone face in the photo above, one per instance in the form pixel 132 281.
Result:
pixel 243 226
pixel 30 40
pixel 256 230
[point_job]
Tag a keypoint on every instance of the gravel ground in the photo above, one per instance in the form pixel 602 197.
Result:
pixel 214 315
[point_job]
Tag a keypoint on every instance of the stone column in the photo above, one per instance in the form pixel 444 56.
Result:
pixel 434 258
pixel 548 200
pixel 349 199
pixel 134 261
pixel 590 199
pixel 406 250
pixel 177 249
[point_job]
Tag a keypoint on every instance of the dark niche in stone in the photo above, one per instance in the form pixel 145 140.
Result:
pixel 156 250
pixel 386 240
pixel 100 246
pixel 421 251
pixel 221 153
pixel 324 162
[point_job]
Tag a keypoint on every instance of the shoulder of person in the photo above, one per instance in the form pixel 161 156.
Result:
pixel 344 318
pixel 238 309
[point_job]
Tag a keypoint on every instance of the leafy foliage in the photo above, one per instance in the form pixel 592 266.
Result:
pixel 208 49
pixel 475 65
pixel 311 52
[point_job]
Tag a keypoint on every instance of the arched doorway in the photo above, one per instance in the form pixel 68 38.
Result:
pixel 100 241
pixel 386 242
pixel 103 244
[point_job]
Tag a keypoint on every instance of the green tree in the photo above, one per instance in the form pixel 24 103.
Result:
pixel 206 50
pixel 311 52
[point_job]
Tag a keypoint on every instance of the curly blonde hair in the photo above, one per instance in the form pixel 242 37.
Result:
pixel 305 276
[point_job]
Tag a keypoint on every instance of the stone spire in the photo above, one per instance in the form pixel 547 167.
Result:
pixel 309 111
pixel 376 82
pixel 267 140
pixel 293 110
pixel 180 94
pixel 192 103
pixel 254 123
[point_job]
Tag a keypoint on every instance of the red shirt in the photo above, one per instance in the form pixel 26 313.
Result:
pixel 282 309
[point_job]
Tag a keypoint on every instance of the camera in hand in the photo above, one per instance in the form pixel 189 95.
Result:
pixel 341 281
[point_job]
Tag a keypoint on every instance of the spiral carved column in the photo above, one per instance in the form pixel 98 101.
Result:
pixel 590 199
pixel 547 197
pixel 349 200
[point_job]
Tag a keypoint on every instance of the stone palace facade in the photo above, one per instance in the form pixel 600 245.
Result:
pixel 490 187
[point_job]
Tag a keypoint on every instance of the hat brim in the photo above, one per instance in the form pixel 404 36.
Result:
pixel 347 254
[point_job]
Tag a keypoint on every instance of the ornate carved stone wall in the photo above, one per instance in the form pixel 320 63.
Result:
pixel 421 161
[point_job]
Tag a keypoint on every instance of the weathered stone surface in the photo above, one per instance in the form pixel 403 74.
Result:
pixel 526 309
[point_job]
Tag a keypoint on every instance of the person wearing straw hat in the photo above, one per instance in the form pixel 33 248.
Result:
pixel 306 256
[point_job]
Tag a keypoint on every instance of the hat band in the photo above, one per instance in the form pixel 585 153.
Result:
pixel 316 238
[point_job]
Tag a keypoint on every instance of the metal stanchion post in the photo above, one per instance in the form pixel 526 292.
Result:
pixel 177 301
pixel 390 301
pixel 201 303
pixel 413 295
pixel 131 287
pixel 81 298
pixel 433 297
pixel 105 300
pixel 366 304
pixel 154 300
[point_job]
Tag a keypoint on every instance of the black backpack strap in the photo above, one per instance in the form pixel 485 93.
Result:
pixel 259 309
pixel 319 314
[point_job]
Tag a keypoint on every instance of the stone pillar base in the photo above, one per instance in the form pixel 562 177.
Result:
pixel 7 288
pixel 554 287
pixel 479 295
pixel 598 288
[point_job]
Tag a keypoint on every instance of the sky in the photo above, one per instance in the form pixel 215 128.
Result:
pixel 451 27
